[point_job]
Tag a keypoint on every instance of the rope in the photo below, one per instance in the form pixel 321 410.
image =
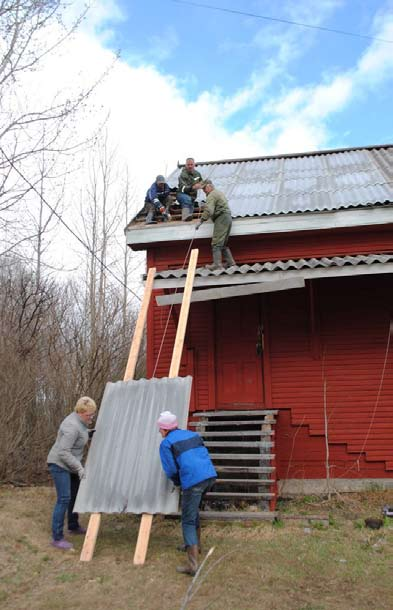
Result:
pixel 356 463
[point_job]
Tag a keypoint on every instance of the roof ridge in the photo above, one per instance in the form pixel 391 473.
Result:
pixel 328 151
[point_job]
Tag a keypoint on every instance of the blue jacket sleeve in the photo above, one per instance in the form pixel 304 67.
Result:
pixel 151 193
pixel 168 463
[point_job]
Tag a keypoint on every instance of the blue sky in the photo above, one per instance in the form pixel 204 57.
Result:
pixel 227 55
pixel 213 85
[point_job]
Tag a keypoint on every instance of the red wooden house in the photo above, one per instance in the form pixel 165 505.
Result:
pixel 308 333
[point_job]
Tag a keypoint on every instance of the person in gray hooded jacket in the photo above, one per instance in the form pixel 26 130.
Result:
pixel 65 465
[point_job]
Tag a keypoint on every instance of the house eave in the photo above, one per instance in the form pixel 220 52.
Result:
pixel 143 237
pixel 276 276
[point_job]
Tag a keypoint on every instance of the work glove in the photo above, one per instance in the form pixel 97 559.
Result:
pixel 81 473
pixel 156 201
pixel 90 433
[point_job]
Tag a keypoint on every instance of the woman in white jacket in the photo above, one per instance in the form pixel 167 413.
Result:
pixel 65 465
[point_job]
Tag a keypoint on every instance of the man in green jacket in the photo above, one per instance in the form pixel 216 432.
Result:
pixel 189 183
pixel 217 209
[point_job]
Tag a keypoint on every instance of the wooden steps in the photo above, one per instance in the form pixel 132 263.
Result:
pixel 241 445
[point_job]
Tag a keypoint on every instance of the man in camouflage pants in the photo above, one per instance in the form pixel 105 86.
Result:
pixel 217 209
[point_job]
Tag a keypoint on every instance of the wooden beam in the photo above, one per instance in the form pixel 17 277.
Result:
pixel 183 317
pixel 140 324
pixel 95 519
pixel 91 537
pixel 233 291
pixel 147 519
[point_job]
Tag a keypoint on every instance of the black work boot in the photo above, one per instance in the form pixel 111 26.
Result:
pixel 217 259
pixel 192 564
pixel 229 260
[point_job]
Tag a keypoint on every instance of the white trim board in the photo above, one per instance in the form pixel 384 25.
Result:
pixel 261 225
pixel 275 276
pixel 231 291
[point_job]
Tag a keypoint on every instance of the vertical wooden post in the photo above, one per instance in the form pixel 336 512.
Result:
pixel 95 519
pixel 147 519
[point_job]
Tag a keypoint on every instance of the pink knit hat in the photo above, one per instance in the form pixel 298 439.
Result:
pixel 167 421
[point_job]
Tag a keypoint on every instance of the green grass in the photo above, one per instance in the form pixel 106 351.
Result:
pixel 255 565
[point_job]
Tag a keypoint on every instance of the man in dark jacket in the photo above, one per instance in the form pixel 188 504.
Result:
pixel 186 462
pixel 158 198
pixel 189 183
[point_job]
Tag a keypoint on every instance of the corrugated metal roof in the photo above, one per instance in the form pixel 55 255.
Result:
pixel 123 469
pixel 328 180
pixel 311 263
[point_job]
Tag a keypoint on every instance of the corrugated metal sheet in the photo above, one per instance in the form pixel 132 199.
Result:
pixel 123 469
pixel 312 263
pixel 303 183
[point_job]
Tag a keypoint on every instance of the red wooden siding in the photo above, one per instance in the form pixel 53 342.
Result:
pixel 354 325
pixel 198 352
pixel 260 248
pixel 336 330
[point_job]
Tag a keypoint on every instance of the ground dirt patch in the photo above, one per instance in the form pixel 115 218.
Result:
pixel 292 565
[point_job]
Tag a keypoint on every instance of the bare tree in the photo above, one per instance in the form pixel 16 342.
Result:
pixel 31 31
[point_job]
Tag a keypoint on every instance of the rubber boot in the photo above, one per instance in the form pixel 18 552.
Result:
pixel 229 260
pixel 186 214
pixel 192 564
pixel 217 260
pixel 150 218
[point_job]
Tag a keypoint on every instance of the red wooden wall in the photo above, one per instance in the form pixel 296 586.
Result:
pixel 334 335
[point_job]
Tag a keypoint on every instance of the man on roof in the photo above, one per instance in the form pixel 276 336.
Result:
pixel 189 183
pixel 217 209
pixel 158 199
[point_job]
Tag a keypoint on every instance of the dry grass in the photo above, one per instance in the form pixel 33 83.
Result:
pixel 289 566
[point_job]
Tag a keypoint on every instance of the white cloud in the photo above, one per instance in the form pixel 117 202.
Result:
pixel 154 125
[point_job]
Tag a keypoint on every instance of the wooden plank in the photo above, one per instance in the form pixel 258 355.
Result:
pixel 239 495
pixel 183 317
pixel 233 444
pixel 237 515
pixel 245 469
pixel 147 519
pixel 243 482
pixel 95 519
pixel 241 456
pixel 143 539
pixel 213 294
pixel 140 324
pixel 228 423
pixel 91 537
pixel 237 433
pixel 229 413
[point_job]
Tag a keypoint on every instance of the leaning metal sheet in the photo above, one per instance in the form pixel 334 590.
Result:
pixel 123 468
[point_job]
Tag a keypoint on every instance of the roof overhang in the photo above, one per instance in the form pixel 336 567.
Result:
pixel 142 237
pixel 276 276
